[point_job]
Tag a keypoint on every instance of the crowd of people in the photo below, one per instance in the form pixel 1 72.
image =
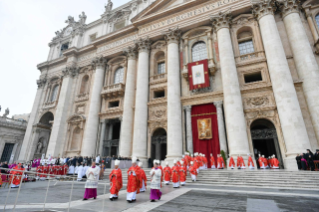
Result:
pixel 305 161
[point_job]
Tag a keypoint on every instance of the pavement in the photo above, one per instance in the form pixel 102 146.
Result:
pixel 57 196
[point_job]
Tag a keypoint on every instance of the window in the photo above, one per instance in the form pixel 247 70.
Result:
pixel 254 77
pixel 118 76
pixel 161 68
pixel 199 51
pixel 54 93
pixel 159 94
pixel 63 48
pixel 317 20
pixel 246 47
pixel 114 104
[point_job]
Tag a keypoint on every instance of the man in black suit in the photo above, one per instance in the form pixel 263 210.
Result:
pixel 80 159
pixel 5 166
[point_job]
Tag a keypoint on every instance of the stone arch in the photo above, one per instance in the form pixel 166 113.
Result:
pixel 85 84
pixel 159 58
pixel 199 51
pixel 159 144
pixel 46 118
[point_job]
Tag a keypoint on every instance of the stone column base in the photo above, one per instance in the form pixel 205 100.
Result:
pixel 290 163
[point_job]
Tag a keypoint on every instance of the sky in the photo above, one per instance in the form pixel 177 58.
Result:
pixel 26 28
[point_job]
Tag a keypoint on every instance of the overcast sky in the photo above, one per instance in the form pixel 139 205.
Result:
pixel 26 28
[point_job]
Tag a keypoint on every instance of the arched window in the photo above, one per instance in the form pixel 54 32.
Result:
pixel 245 41
pixel 118 76
pixel 54 93
pixel 317 20
pixel 199 51
pixel 84 84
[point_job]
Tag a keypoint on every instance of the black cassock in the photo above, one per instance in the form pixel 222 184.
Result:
pixel 298 159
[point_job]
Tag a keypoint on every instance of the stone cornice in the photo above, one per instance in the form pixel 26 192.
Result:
pixel 172 35
pixel 222 20
pixel 143 44
pixel 262 8
pixel 289 6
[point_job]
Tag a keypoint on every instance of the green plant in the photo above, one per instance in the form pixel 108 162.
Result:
pixel 224 157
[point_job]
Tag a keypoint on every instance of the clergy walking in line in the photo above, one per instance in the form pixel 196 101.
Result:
pixel 91 184
pixel 231 162
pixel 156 175
pixel 167 174
pixel 240 163
pixel 250 162
pixel 220 162
pixel 193 171
pixel 116 182
pixel 16 175
pixel 182 173
pixel 275 162
pixel 261 162
pixel 175 175
pixel 143 178
pixel 133 184
pixel 212 162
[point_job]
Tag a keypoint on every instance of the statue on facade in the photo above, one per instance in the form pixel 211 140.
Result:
pixel 82 18
pixel 70 20
pixel 6 113
pixel 39 147
pixel 109 6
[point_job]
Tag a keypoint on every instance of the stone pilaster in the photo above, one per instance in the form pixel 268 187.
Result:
pixel 237 133
pixel 189 132
pixel 174 106
pixel 221 126
pixel 92 123
pixel 59 128
pixel 312 29
pixel 125 144
pixel 292 123
pixel 102 136
pixel 304 58
pixel 27 141
pixel 141 109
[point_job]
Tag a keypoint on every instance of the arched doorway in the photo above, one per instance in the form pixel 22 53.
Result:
pixel 159 148
pixel 265 140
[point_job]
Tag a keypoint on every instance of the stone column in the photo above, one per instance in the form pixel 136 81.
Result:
pixel 234 111
pixel 141 100
pixel 103 128
pixel 174 106
pixel 292 123
pixel 304 58
pixel 221 126
pixel 59 128
pixel 189 133
pixel 92 123
pixel 110 131
pixel 27 141
pixel 312 28
pixel 125 144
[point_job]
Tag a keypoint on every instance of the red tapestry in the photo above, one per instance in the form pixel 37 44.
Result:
pixel 201 76
pixel 205 146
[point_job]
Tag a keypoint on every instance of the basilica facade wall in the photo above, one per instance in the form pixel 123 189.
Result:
pixel 121 85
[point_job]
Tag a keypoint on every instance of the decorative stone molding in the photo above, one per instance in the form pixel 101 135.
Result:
pixel 143 44
pixel 172 35
pixel 289 6
pixel 264 7
pixel 218 103
pixel 130 52
pixel 222 20
pixel 99 62
pixel 188 108
pixel 41 82
pixel 70 71
pixel 77 120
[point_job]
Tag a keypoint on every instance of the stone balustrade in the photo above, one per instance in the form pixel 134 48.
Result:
pixel 9 122
pixel 113 90
pixel 158 78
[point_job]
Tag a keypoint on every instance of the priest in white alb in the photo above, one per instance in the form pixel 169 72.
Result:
pixel 92 182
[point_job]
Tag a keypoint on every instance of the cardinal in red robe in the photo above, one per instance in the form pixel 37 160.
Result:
pixel 167 174
pixel 193 171
pixel 220 162
pixel 240 163
pixel 250 162
pixel 133 184
pixel 212 162
pixel 265 162
pixel 231 163
pixel 182 173
pixel 175 175
pixel 39 171
pixel 261 162
pixel 143 178
pixel 275 162
pixel 116 181
pixel 16 175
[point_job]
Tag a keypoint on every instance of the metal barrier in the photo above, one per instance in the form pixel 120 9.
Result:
pixel 50 178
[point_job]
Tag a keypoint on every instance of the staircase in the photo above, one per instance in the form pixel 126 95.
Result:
pixel 251 178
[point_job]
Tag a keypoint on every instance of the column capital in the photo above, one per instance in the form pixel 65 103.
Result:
pixel 99 62
pixel 289 6
pixel 41 82
pixel 70 71
pixel 130 52
pixel 188 108
pixel 221 20
pixel 262 8
pixel 218 104
pixel 172 35
pixel 143 44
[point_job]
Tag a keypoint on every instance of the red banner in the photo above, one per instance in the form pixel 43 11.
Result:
pixel 198 75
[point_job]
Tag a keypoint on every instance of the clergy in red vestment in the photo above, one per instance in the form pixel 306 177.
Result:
pixel 265 162
pixel 275 162
pixel 167 174
pixel 182 173
pixel 250 162
pixel 212 161
pixel 39 171
pixel 241 163
pixel 231 162
pixel 175 175
pixel 65 170
pixel 133 184
pixel 116 181
pixel 193 171
pixel 220 162
pixel 45 171
pixel 51 171
pixel 16 175
pixel 143 178
pixel 261 162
